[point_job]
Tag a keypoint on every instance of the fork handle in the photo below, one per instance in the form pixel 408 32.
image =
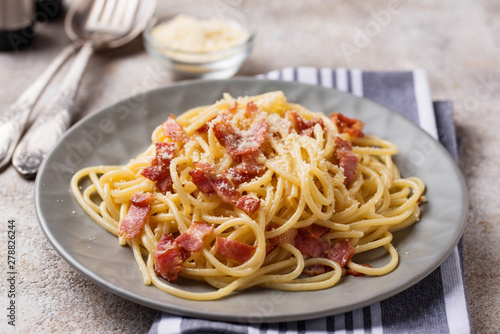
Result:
pixel 53 120
pixel 14 120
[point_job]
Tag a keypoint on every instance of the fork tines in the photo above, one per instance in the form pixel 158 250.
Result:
pixel 112 16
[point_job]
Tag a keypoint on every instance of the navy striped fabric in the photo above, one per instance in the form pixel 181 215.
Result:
pixel 437 304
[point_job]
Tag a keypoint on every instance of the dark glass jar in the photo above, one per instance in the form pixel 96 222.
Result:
pixel 47 10
pixel 16 24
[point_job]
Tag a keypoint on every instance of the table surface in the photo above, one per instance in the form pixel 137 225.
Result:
pixel 458 43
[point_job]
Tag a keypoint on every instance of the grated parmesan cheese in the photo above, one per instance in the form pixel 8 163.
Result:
pixel 191 34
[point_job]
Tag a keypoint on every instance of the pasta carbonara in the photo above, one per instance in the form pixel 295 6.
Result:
pixel 254 191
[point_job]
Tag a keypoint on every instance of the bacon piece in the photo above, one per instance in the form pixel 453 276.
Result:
pixel 203 129
pixel 137 215
pixel 210 182
pixel 171 253
pixel 159 170
pixel 234 250
pixel 248 204
pixel 165 183
pixel 171 128
pixel 191 240
pixel 252 142
pixel 200 179
pixel 311 247
pixel 287 236
pixel 224 188
pixel 233 107
pixel 314 270
pixel 168 258
pixel 353 272
pixel 313 231
pixel 343 144
pixel 205 177
pixel 251 110
pixel 348 160
pixel 185 254
pixel 225 133
pixel 301 125
pixel 141 198
pixel 341 252
pixel 200 230
pixel 134 221
pixel 238 144
pixel 246 170
pixel 351 126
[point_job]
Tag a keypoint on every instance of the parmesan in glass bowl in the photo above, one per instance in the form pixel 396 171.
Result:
pixel 200 39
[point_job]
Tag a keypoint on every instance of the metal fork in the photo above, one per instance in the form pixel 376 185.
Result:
pixel 111 16
pixel 16 117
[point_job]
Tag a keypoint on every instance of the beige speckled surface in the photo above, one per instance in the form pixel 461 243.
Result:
pixel 457 42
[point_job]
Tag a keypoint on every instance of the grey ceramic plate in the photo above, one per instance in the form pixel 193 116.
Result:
pixel 118 133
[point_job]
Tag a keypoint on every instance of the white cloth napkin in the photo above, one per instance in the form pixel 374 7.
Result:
pixel 437 304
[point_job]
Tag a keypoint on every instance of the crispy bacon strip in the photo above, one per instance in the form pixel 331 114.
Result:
pixel 211 182
pixel 141 198
pixel 137 215
pixel 312 247
pixel 225 133
pixel 234 250
pixel 310 243
pixel 252 142
pixel 171 253
pixel 351 126
pixel 168 258
pixel 171 128
pixel 286 237
pixel 348 160
pixel 224 188
pixel 233 107
pixel 251 110
pixel 248 204
pixel 201 178
pixel 159 170
pixel 191 240
pixel 246 170
pixel 301 125
pixel 203 129
pixel 314 231
pixel 341 252
pixel 238 144
pixel 343 144
pixel 314 270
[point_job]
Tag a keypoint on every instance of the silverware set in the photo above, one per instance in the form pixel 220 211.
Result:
pixel 92 26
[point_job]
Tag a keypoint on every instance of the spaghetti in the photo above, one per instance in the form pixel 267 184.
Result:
pixel 254 191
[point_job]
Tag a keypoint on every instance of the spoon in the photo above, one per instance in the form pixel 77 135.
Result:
pixel 55 118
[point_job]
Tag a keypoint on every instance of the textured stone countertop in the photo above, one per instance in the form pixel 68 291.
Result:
pixel 457 42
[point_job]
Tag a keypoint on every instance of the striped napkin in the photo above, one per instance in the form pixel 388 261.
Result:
pixel 437 304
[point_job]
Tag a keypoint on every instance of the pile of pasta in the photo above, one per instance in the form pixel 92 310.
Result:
pixel 254 191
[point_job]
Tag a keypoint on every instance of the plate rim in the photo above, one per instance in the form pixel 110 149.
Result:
pixel 175 309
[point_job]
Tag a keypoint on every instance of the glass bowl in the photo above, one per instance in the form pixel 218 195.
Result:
pixel 183 64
